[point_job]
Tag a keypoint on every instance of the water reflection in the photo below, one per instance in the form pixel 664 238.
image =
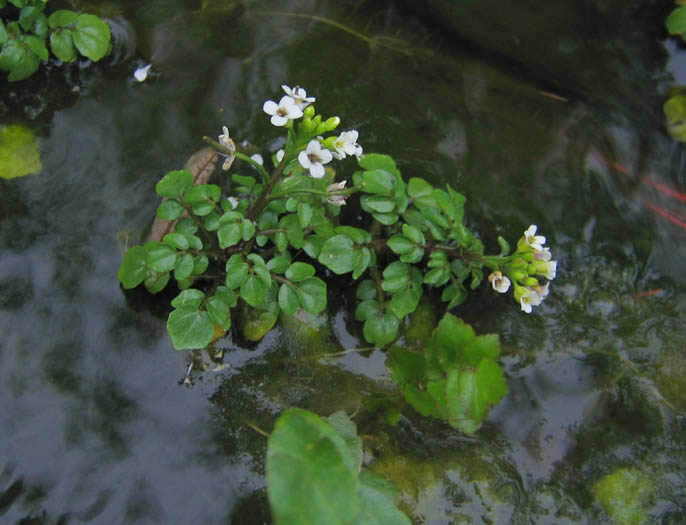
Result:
pixel 94 424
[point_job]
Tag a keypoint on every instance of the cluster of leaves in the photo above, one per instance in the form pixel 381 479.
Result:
pixel 24 38
pixel 315 475
pixel 457 378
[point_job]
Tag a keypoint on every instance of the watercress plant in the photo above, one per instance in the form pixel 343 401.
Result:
pixel 268 246
pixel 28 31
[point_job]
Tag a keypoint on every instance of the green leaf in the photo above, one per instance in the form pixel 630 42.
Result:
pixel 381 329
pixel 184 268
pixel 189 297
pixel 366 290
pixel 219 312
pixel 255 328
pixel 400 244
pixel 161 258
pixel 253 290
pixel 414 234
pixel 421 193
pixel 338 254
pixel 174 184
pixel 312 294
pixel 406 301
pixel 294 232
pixel 229 234
pixel 288 299
pixel 676 21
pixel 243 180
pixel 155 282
pixel 347 429
pixel 200 264
pixel 299 271
pixel 3 32
pixel 304 214
pixel 190 328
pixel 312 245
pixel 204 194
pixel 379 182
pixel 363 262
pixel 311 476
pixel 396 277
pixel 61 18
pixel 18 60
pixel 176 240
pixel 378 498
pixel 379 204
pixel 133 269
pixel 91 36
pixel 357 235
pixel 236 271
pixel 28 15
pixel 170 210
pixel 377 161
pixel 279 264
pixel 367 308
pixel 247 230
pixel 386 219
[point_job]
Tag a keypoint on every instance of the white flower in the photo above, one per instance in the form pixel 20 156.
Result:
pixel 279 155
pixel 227 142
pixel 528 299
pixel 542 290
pixel 346 144
pixel 500 283
pixel 547 269
pixel 142 73
pixel 543 255
pixel 314 158
pixel 257 158
pixel 336 199
pixel 533 240
pixel 299 95
pixel 233 201
pixel 282 112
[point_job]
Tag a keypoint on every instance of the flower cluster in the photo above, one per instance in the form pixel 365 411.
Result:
pixel 519 270
pixel 295 104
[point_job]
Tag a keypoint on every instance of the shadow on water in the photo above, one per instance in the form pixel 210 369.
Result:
pixel 94 424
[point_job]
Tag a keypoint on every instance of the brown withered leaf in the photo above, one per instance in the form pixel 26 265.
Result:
pixel 201 165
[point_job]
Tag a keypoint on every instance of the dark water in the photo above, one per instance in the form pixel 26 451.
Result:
pixel 94 425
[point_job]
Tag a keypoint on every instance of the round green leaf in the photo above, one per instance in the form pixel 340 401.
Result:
pixel 279 264
pixel 247 229
pixel 676 21
pixel 176 240
pixel 161 258
pixel 188 297
pixel 190 328
pixel 61 18
pixel 174 184
pixel 253 290
pixel 381 329
pixel 312 294
pixel 184 269
pixel 155 282
pixel 299 271
pixel 338 254
pixel 200 264
pixel 229 234
pixel 91 36
pixel 236 271
pixel 311 475
pixel 18 60
pixel 400 244
pixel 62 45
pixel 133 269
pixel 219 312
pixel 288 299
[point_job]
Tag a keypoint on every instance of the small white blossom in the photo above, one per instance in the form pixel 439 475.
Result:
pixel 543 255
pixel 142 73
pixel 299 95
pixel 529 299
pixel 542 290
pixel 533 240
pixel 233 201
pixel 279 155
pixel 282 112
pixel 346 144
pixel 336 200
pixel 257 158
pixel 547 269
pixel 313 159
pixel 500 283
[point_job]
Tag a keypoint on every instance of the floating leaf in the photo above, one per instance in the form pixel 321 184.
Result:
pixel 19 153
pixel 190 328
pixel 91 36
pixel 133 269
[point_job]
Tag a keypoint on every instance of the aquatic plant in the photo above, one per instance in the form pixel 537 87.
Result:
pixel 25 36
pixel 268 246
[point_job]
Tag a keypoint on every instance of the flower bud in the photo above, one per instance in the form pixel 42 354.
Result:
pixel 330 124
pixel 531 281
pixel 309 112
